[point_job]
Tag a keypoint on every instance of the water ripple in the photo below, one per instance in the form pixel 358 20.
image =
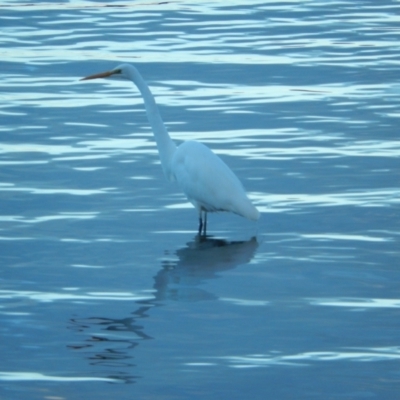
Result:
pixel 305 359
pixel 292 202
pixel 357 303
pixel 300 98
pixel 35 376
pixel 68 295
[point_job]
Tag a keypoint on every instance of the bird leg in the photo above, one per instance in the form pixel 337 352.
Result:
pixel 200 225
pixel 203 224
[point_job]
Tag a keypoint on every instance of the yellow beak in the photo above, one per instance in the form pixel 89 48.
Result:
pixel 100 75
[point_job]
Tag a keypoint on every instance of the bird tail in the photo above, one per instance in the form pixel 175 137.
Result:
pixel 247 210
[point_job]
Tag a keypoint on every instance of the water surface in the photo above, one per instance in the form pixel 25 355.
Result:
pixel 105 292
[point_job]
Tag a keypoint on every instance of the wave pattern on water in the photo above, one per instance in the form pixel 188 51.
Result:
pixel 300 98
pixel 306 359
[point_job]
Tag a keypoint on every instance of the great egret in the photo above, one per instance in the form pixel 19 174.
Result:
pixel 206 180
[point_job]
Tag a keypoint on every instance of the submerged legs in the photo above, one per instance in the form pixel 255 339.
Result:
pixel 203 223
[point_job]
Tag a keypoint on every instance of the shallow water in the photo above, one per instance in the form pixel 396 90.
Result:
pixel 105 292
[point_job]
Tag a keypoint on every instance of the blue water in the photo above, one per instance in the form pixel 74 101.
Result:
pixel 105 292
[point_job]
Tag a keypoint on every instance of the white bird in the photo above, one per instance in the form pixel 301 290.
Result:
pixel 208 183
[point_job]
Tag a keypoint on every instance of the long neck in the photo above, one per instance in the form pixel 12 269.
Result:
pixel 166 146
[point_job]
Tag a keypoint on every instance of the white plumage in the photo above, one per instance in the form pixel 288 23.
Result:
pixel 208 183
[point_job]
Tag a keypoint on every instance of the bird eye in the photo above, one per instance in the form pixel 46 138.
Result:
pixel 118 71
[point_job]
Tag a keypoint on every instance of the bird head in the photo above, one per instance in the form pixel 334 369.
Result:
pixel 122 71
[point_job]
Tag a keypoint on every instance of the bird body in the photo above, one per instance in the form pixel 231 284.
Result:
pixel 208 183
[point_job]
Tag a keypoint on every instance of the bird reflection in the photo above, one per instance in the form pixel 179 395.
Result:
pixel 202 259
pixel 109 342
